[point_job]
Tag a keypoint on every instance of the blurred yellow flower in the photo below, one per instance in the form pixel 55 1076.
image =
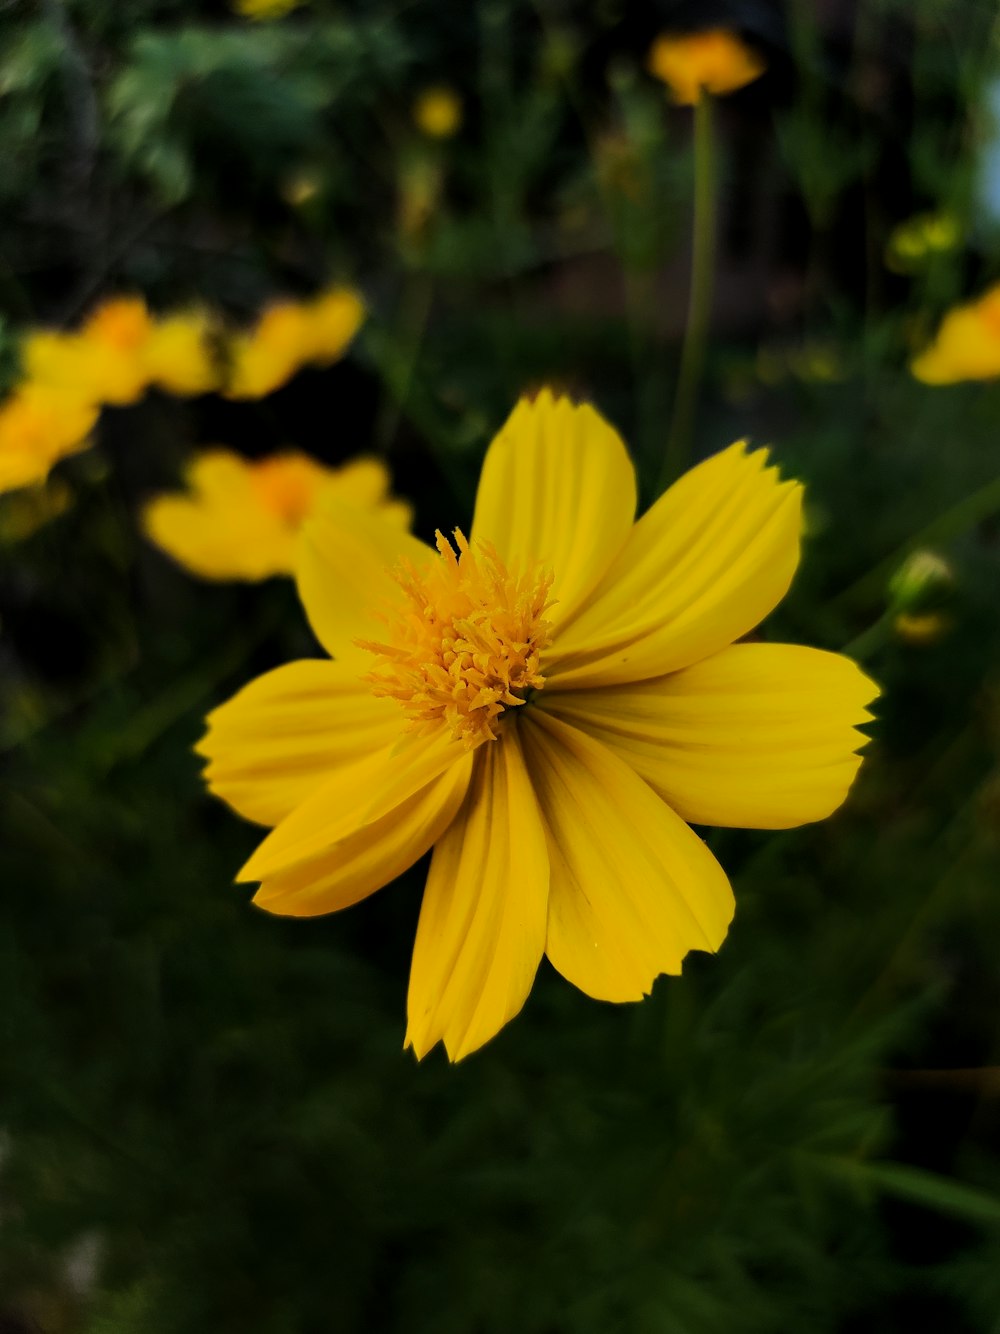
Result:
pixel 437 112
pixel 40 424
pixel 262 10
pixel 967 345
pixel 240 519
pixel 290 335
pixel 716 61
pixel 546 705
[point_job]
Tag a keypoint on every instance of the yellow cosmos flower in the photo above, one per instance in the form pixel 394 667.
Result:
pixel 437 112
pixel 241 518
pixel 967 345
pixel 40 424
pixel 290 335
pixel 715 60
pixel 546 704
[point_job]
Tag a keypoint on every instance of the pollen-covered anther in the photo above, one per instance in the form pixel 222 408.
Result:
pixel 466 644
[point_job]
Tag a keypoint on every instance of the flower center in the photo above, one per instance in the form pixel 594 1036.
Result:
pixel 466 645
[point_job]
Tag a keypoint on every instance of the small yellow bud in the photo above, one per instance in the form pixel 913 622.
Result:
pixel 437 112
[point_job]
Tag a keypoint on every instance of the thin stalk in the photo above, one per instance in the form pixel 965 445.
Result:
pixel 952 523
pixel 700 296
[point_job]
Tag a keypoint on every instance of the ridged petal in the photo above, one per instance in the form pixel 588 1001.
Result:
pixel 558 487
pixel 482 921
pixel 372 856
pixel 702 567
pixel 759 736
pixel 344 574
pixel 632 888
pixel 279 738
pixel 354 796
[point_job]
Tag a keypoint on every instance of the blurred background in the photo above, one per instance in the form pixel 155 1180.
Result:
pixel 207 1122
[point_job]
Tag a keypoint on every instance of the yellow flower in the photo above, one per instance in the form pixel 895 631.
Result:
pixel 967 345
pixel 290 335
pixel 437 112
pixel 715 61
pixel 262 10
pixel 104 361
pixel 241 519
pixel 40 424
pixel 179 354
pixel 546 704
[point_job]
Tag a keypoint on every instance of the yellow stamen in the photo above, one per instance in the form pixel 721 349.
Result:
pixel 466 645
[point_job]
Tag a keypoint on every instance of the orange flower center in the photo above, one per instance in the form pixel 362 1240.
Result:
pixel 287 486
pixel 466 644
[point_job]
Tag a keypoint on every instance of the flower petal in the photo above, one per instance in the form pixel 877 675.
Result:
pixel 482 921
pixel 703 567
pixel 372 856
pixel 632 887
pixel 558 487
pixel 279 738
pixel 759 736
pixel 353 796
pixel 344 574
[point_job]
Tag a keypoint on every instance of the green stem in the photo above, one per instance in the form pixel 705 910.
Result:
pixel 958 519
pixel 872 639
pixel 700 296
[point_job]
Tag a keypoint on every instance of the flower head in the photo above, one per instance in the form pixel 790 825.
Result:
pixel 437 112
pixel 716 61
pixel 241 519
pixel 967 345
pixel 546 704
pixel 40 424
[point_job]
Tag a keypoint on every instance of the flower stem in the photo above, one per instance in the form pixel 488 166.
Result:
pixel 700 295
pixel 958 519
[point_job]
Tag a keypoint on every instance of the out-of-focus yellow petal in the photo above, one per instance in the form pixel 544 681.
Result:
pixel 632 888
pixel 715 60
pixel 701 569
pixel 290 335
pixel 179 355
pixel 265 358
pixel 967 345
pixel 40 424
pixel 355 796
pixel 344 574
pixel 331 321
pixel 759 736
pixel 482 920
pixel 372 856
pixel 281 737
pixel 220 529
pixel 557 487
